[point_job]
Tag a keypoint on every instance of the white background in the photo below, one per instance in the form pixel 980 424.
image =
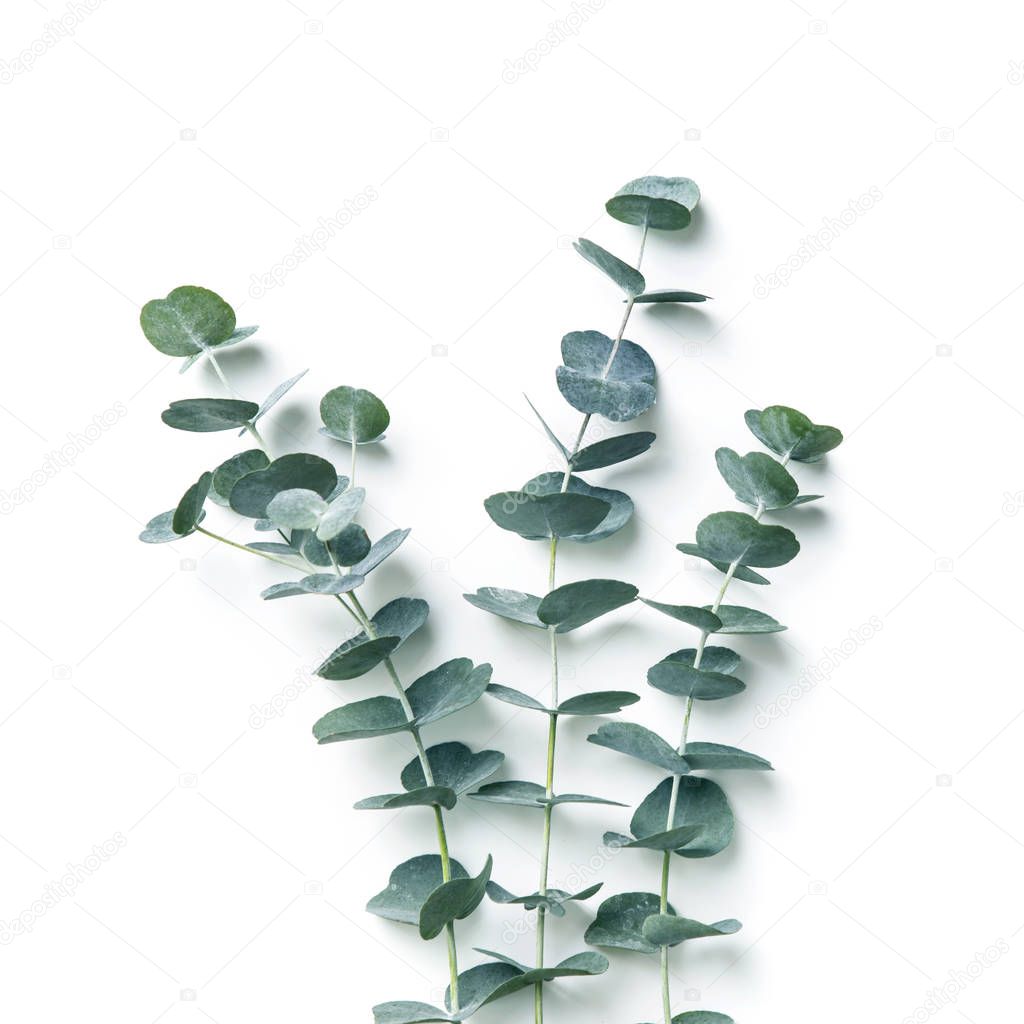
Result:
pixel 163 144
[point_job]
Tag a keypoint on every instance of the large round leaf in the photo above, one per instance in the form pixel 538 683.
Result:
pixel 741 572
pixel 791 434
pixel 446 689
pixel 253 492
pixel 620 921
pixel 409 886
pixel 620 504
pixel 700 802
pixel 452 901
pixel 718 756
pixel 453 765
pixel 669 930
pixel 206 415
pixel 757 479
pixel 361 720
pixel 391 627
pixel 739 537
pixel 685 681
pixel 639 742
pixel 664 203
pixel 229 472
pixel 575 604
pixel 540 516
pixel 189 321
pixel 598 377
pixel 352 414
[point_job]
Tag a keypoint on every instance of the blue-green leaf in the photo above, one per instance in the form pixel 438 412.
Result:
pixel 612 451
pixel 658 202
pixel 409 886
pixel 598 377
pixel 189 512
pixel 739 537
pixel 352 414
pixel 205 415
pixel 700 802
pixel 639 742
pixel 704 620
pixel 791 434
pixel 508 604
pixel 736 619
pixel 620 921
pixel 575 604
pixel 630 280
pixel 187 322
pixel 253 492
pixel 452 901
pixel 454 766
pixel 542 516
pixel 757 479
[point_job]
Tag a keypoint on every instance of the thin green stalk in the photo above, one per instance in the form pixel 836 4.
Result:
pixel 538 997
pixel 250 427
pixel 242 547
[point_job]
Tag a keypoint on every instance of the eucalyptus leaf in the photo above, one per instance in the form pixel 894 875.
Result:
pixel 602 378
pixel 381 549
pixel 296 509
pixel 360 720
pixel 662 203
pixel 322 583
pixel 205 415
pixel 612 450
pixel 237 335
pixel 620 921
pixel 757 479
pixel 717 756
pixel 741 572
pixel 683 680
pixel 542 516
pixel 452 901
pixel 189 512
pixel 674 839
pixel 427 796
pixel 352 414
pixel 630 280
pixel 351 546
pixel 340 513
pixel 160 531
pixel 553 900
pixel 575 604
pixel 700 802
pixel 713 659
pixel 702 1017
pixel 620 509
pixel 446 689
pixel 739 537
pixel 512 791
pixel 599 702
pixel 454 766
pixel 643 744
pixel 392 626
pixel 736 619
pixel 669 930
pixel 229 472
pixel 671 295
pixel 508 604
pixel 253 492
pixel 406 1012
pixel 704 620
pixel 187 322
pixel 409 886
pixel 791 434
pixel 516 697
pixel 552 436
pixel 277 394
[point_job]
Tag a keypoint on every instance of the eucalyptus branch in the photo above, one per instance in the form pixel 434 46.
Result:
pixel 614 379
pixel 313 510
pixel 686 814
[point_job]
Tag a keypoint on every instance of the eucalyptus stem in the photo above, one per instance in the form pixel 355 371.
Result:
pixel 249 426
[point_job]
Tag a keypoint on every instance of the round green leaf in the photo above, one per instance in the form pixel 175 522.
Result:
pixel 342 510
pixel 190 509
pixel 636 741
pixel 454 766
pixel 612 450
pixel 741 572
pixel 700 802
pixel 542 516
pixel 704 620
pixel 360 720
pixel 296 509
pixel 350 546
pixel 206 415
pixel 575 604
pixel 593 381
pixel 427 796
pixel 159 529
pixel 509 604
pixel 352 414
pixel 663 203
pixel 757 479
pixel 739 537
pixel 229 472
pixel 630 280
pixel 452 901
pixel 446 689
pixel 718 756
pixel 669 930
pixel 702 1017
pixel 737 619
pixel 406 1012
pixel 187 322
pixel 392 626
pixel 251 495
pixel 620 921
pixel 620 504
pixel 682 680
pixel 409 887
pixel 791 434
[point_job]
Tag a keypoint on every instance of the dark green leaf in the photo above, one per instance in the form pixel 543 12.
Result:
pixel 251 495
pixel 553 901
pixel 692 616
pixel 683 680
pixel 516 697
pixel 669 930
pixel 620 921
pixel 575 604
pixel 630 280
pixel 616 382
pixel 381 549
pixel 674 839
pixel 583 798
pixel 620 504
pixel 362 719
pixel 552 436
pixel 189 512
pixel 641 743
pixel 700 802
pixel 509 604
pixel 542 516
pixel 739 537
pixel 452 901
pixel 791 434
pixel 736 619
pixel 663 203
pixel 351 546
pixel 709 756
pixel 671 295
pixel 204 415
pixel 454 766
pixel 341 511
pixel 409 886
pixel 228 473
pixel 405 1012
pixel 159 530
pixel 599 702
pixel 392 626
pixel 702 1017
pixel 741 572
pixel 352 414
pixel 612 451
pixel 427 796
pixel 446 689
pixel 757 479
pixel 713 659
pixel 189 321
pixel 323 583
pixel 512 791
